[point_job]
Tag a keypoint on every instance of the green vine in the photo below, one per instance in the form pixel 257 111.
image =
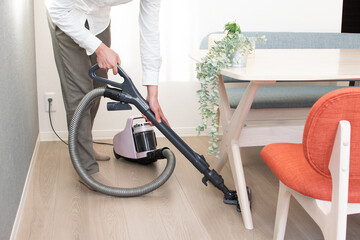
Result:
pixel 208 70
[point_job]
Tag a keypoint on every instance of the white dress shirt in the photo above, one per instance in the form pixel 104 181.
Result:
pixel 70 16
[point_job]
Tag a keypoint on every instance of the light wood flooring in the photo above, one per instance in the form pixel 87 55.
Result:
pixel 57 206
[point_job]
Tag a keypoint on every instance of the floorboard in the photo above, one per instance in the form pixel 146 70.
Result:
pixel 58 206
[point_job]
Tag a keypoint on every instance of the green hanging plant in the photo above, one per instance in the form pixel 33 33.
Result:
pixel 220 56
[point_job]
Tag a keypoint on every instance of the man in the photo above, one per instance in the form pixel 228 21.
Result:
pixel 80 31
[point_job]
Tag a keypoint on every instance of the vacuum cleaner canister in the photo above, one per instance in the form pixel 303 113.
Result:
pixel 136 142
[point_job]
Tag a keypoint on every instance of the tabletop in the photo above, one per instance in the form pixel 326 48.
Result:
pixel 296 65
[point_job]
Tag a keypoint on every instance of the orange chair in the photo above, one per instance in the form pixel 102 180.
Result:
pixel 322 173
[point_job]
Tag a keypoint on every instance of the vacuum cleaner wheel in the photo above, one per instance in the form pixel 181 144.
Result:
pixel 117 156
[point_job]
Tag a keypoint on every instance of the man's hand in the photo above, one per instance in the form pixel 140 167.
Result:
pixel 152 98
pixel 107 58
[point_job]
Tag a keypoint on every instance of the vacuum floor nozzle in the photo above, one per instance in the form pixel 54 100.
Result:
pixel 232 199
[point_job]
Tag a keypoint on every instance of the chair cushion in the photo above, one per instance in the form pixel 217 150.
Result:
pixel 321 126
pixel 281 97
pixel 289 164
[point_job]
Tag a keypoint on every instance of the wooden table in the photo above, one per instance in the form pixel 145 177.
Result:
pixel 268 66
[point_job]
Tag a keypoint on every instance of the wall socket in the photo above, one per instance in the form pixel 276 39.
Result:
pixel 46 101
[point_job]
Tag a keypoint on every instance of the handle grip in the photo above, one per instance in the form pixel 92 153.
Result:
pixel 121 72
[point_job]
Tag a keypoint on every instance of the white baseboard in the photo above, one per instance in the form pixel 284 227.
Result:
pixel 24 194
pixel 50 136
pixel 109 134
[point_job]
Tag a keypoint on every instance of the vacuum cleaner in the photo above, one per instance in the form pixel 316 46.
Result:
pixel 137 142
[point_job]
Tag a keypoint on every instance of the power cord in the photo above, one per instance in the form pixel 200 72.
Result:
pixel 50 101
pixel 52 127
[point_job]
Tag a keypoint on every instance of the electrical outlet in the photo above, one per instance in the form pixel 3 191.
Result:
pixel 47 96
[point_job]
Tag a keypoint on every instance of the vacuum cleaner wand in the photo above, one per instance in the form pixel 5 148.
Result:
pixel 126 93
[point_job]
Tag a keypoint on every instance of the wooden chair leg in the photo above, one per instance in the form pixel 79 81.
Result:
pixel 282 210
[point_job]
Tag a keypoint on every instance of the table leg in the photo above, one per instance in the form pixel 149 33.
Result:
pixel 240 184
pixel 230 142
pixel 225 115
pixel 220 163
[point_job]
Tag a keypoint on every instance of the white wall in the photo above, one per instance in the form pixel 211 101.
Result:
pixel 183 24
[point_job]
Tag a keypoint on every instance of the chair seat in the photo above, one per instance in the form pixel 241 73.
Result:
pixel 289 164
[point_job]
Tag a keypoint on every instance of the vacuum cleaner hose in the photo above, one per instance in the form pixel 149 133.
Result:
pixel 113 191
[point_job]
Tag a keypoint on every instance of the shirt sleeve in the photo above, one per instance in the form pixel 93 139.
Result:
pixel 150 41
pixel 61 13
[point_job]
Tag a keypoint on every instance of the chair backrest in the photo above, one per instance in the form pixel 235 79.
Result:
pixel 300 40
pixel 321 126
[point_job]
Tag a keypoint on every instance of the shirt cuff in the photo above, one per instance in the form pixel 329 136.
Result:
pixel 92 43
pixel 150 78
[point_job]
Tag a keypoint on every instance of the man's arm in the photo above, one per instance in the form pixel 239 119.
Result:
pixel 150 53
pixel 150 41
pixel 61 13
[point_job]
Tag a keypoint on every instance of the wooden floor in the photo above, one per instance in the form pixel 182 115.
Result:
pixel 59 207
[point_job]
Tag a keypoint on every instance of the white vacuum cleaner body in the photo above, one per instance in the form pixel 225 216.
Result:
pixel 135 142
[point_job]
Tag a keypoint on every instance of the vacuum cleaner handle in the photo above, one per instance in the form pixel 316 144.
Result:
pixel 101 79
pixel 127 86
pixel 121 72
